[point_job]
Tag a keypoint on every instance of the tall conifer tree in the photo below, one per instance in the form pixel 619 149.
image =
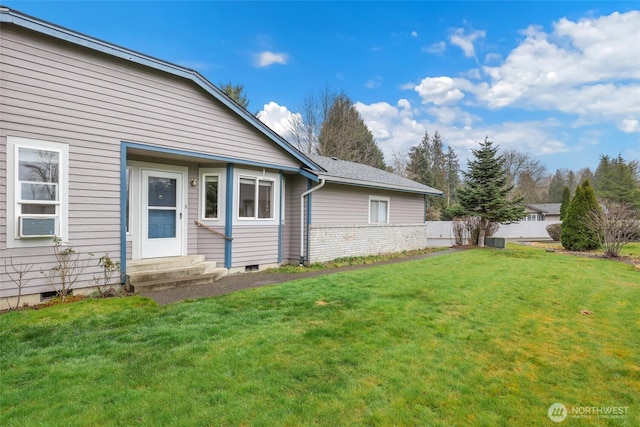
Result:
pixel 485 192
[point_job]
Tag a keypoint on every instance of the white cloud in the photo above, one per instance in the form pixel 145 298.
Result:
pixel 394 128
pixel 465 41
pixel 589 68
pixel 407 86
pixel 398 128
pixel 452 116
pixel 405 104
pixel 492 57
pixel 630 125
pixel 267 58
pixel 441 90
pixel 437 48
pixel 414 34
pixel 374 82
pixel 278 118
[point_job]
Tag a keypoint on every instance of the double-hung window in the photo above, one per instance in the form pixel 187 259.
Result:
pixel 38 185
pixel 256 198
pixel 378 210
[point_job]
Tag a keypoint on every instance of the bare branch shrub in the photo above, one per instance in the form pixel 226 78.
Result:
pixel 470 229
pixel 109 269
pixel 458 232
pixel 63 276
pixel 615 226
pixel 18 276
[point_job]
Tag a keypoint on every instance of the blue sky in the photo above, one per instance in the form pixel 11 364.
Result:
pixel 558 80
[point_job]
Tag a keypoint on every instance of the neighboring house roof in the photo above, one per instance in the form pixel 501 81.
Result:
pixel 10 16
pixel 546 208
pixel 344 172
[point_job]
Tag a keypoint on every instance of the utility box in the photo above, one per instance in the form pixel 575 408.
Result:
pixel 496 242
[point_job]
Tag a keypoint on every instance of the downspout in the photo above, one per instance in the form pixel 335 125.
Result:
pixel 302 196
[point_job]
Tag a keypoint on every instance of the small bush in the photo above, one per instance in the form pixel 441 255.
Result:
pixel 554 231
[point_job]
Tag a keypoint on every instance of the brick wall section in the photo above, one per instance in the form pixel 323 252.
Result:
pixel 331 242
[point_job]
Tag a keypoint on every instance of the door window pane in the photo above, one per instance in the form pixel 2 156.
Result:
pixel 162 223
pixel 162 192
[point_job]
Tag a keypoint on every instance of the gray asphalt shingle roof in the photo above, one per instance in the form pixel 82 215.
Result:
pixel 346 172
pixel 548 208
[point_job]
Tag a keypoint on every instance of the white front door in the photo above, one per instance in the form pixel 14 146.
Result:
pixel 162 222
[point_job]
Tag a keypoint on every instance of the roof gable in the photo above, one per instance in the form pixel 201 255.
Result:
pixel 345 172
pixel 9 16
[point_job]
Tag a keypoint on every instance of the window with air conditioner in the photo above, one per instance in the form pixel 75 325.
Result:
pixel 37 191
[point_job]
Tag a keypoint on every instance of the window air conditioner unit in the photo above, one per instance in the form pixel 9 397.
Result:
pixel 31 227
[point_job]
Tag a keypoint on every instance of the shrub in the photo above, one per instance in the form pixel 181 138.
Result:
pixel 576 235
pixel 554 231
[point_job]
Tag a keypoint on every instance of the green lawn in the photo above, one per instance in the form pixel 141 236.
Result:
pixel 479 337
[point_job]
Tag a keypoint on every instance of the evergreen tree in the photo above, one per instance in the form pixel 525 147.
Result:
pixel 556 187
pixel 576 235
pixel 431 165
pixel 453 176
pixel 571 181
pixel 420 161
pixel 566 199
pixel 618 181
pixel 236 92
pixel 485 192
pixel 345 135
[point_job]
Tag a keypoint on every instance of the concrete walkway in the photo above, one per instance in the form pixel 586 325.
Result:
pixel 237 282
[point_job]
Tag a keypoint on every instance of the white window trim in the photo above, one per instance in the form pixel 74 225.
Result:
pixel 221 173
pixel 13 144
pixel 263 176
pixel 283 192
pixel 379 199
pixel 129 226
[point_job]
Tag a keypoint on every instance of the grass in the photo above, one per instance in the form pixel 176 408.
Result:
pixel 481 337
pixel 630 252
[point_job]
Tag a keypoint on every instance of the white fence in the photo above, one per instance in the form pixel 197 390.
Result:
pixel 440 233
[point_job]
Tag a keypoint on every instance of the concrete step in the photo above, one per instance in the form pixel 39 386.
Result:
pixel 153 264
pixel 171 272
pixel 206 278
